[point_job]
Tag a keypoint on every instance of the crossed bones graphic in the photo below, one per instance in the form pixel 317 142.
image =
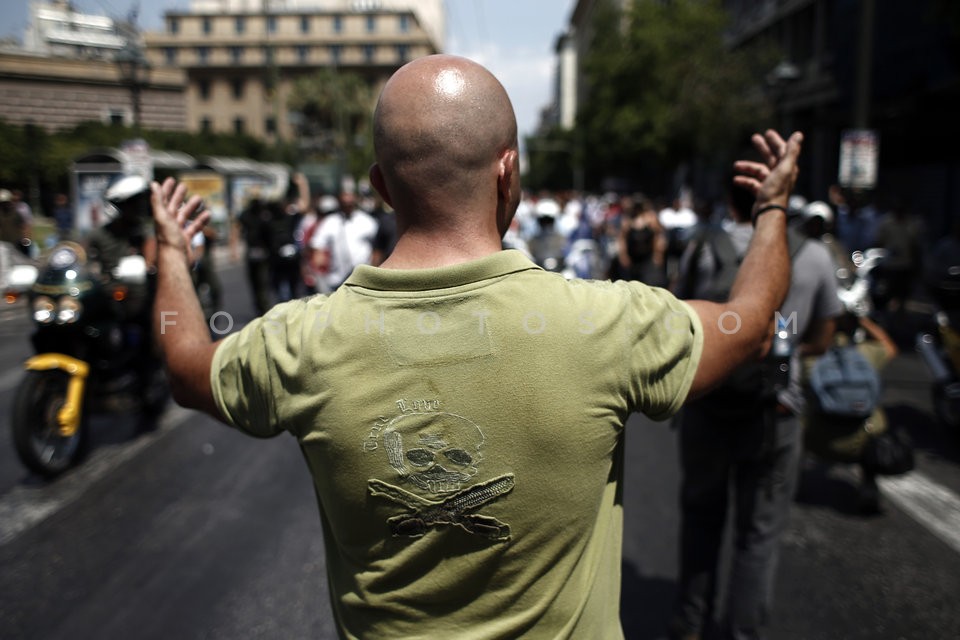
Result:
pixel 455 510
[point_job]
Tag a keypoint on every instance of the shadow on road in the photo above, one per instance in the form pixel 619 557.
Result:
pixel 645 604
pixel 929 436
pixel 828 484
pixel 105 430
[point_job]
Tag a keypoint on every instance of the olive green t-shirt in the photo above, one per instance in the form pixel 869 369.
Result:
pixel 463 428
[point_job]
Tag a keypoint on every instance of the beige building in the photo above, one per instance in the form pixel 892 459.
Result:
pixel 242 57
pixel 58 93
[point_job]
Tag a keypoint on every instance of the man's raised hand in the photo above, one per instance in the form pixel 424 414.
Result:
pixel 772 179
pixel 176 222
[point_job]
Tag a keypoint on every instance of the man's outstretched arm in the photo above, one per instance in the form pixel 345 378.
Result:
pixel 740 329
pixel 179 324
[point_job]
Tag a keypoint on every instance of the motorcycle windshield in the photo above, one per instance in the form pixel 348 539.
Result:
pixel 65 271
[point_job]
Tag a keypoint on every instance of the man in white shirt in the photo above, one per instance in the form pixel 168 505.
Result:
pixel 343 240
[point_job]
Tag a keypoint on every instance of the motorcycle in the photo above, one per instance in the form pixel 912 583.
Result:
pixel 940 347
pixel 92 355
pixel 857 283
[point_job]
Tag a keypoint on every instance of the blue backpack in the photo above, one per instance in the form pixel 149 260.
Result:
pixel 843 384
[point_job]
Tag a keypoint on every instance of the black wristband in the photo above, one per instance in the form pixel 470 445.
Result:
pixel 767 207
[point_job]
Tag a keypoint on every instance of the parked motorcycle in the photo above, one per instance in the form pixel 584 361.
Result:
pixel 940 347
pixel 92 355
pixel 857 281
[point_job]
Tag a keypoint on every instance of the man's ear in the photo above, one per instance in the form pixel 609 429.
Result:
pixel 376 179
pixel 508 165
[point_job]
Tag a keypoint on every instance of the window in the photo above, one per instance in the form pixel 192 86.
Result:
pixel 237 85
pixel 267 54
pixel 404 24
pixel 240 24
pixel 203 54
pixel 206 126
pixel 173 25
pixel 170 53
pixel 238 126
pixel 402 52
pixel 338 24
pixel 236 54
pixel 304 24
pixel 203 88
pixel 116 117
pixel 207 26
pixel 335 51
pixel 303 53
pixel 371 23
pixel 271 24
pixel 368 51
pixel 270 125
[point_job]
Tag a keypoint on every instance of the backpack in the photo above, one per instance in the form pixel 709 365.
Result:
pixel 753 383
pixel 844 385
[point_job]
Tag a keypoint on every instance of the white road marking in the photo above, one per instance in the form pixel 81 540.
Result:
pixel 932 505
pixel 24 506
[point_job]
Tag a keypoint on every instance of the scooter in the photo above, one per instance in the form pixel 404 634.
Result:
pixel 92 355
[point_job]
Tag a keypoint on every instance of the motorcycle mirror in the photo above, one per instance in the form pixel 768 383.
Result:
pixel 21 277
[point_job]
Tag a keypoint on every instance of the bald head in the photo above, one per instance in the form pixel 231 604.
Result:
pixel 441 127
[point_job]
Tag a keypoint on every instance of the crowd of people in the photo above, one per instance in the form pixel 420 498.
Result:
pixel 311 244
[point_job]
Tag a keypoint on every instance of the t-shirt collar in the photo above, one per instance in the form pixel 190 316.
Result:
pixel 494 265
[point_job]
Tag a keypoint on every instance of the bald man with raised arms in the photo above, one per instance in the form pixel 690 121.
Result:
pixel 461 410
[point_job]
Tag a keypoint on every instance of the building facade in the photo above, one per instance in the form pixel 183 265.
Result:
pixel 890 68
pixel 59 93
pixel 241 58
pixel 57 29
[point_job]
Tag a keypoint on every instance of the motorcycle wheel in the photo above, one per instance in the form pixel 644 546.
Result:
pixel 946 404
pixel 36 434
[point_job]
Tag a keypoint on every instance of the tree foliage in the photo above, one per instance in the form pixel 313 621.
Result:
pixel 663 87
pixel 334 110
pixel 551 161
pixel 35 158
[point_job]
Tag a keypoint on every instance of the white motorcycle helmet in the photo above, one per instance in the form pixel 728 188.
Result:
pixel 818 209
pixel 129 194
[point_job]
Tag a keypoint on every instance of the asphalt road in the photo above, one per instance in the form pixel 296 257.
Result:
pixel 194 531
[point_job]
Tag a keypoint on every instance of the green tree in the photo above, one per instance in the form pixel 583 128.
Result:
pixel 551 160
pixel 35 158
pixel 664 89
pixel 333 119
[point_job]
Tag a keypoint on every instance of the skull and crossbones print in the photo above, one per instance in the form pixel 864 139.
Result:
pixel 436 454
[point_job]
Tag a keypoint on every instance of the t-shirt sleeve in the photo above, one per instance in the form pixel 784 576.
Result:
pixel 242 382
pixel 666 344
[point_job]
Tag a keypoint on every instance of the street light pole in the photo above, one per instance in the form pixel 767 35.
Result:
pixel 134 71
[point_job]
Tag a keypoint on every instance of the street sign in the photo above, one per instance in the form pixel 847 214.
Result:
pixel 859 157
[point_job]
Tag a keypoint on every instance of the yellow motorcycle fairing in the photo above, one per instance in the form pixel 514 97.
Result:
pixel 68 417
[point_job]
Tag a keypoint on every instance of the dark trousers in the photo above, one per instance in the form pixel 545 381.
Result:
pixel 751 465
pixel 286 279
pixel 258 273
